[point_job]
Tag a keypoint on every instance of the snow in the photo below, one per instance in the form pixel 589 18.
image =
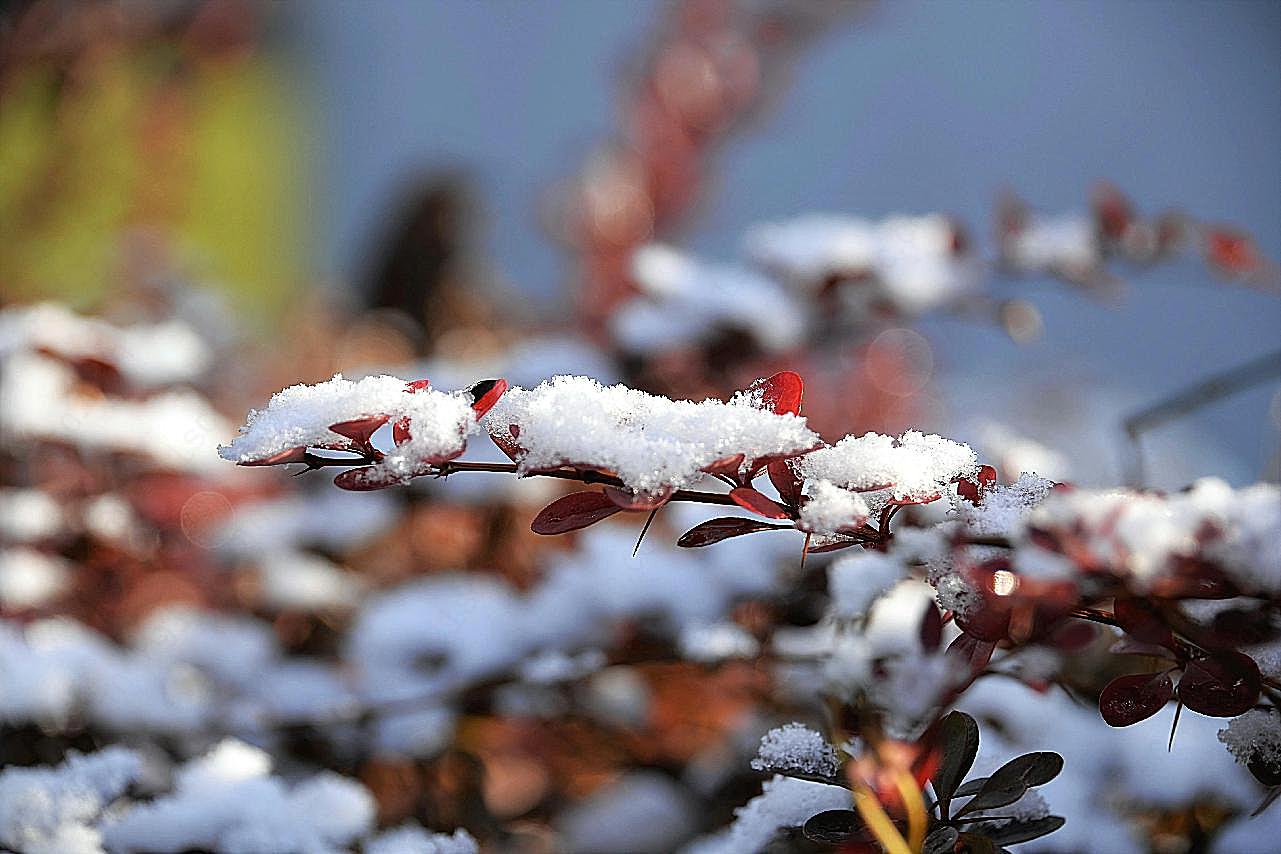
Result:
pixel 829 509
pixel 684 301
pixel 31 579
pixel 300 416
pixel 913 466
pixel 226 801
pixel 1065 243
pixel 1254 736
pixel 1002 509
pixel 643 812
pixel 55 810
pixel 653 443
pixel 148 355
pixel 715 642
pixel 911 261
pixel 855 581
pixel 795 748
pixel 783 802
pixel 38 401
pixel 413 839
pixel 297 580
pixel 28 515
pixel 1143 535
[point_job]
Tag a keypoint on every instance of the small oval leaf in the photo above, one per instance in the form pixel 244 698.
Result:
pixel 485 394
pixel 758 503
pixel 365 479
pixel 941 841
pixel 727 466
pixel 832 827
pixel 359 429
pixel 1026 830
pixel 1012 780
pixel 715 530
pixel 1223 687
pixel 1129 699
pixel 786 481
pixel 573 511
pixel 780 394
pixel 959 737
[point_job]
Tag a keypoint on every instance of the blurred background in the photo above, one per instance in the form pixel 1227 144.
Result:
pixel 1040 218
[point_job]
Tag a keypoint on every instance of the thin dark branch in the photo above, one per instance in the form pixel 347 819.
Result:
pixel 1189 400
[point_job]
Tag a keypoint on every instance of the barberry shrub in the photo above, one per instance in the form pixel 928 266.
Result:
pixel 1186 585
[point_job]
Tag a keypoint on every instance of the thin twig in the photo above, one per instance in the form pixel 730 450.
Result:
pixel 1189 400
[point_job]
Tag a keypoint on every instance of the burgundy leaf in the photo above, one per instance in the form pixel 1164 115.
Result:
pixel 628 500
pixel 365 479
pixel 510 448
pixel 715 530
pixel 1129 699
pixel 786 481
pixel 1141 620
pixel 485 394
pixel 359 429
pixel 931 628
pixel 400 430
pixel 1222 687
pixel 781 393
pixel 727 466
pixel 987 622
pixel 415 386
pixel 971 651
pixel 756 502
pixel 292 455
pixel 973 490
pixel 573 511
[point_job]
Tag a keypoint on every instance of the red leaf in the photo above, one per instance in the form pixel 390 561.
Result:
pixel 971 651
pixel 781 393
pixel 365 479
pixel 292 455
pixel 359 429
pixel 1112 210
pixel 485 394
pixel 400 430
pixel 1231 251
pixel 756 502
pixel 1142 621
pixel 987 622
pixel 973 490
pixel 715 530
pixel 1222 687
pixel 786 481
pixel 1129 699
pixel 627 500
pixel 513 450
pixel 931 628
pixel 728 466
pixel 573 511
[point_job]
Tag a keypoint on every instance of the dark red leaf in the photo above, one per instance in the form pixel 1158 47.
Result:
pixel 988 621
pixel 823 548
pixel 1073 636
pixel 400 430
pixel 973 490
pixel 1129 699
pixel 971 652
pixel 485 394
pixel 727 466
pixel 786 481
pixel 573 511
pixel 292 455
pixel 1140 619
pixel 931 628
pixel 780 393
pixel 1222 687
pixel 359 429
pixel 715 530
pixel 758 503
pixel 627 500
pixel 365 479
pixel 416 386
pixel 832 827
pixel 511 449
pixel 959 735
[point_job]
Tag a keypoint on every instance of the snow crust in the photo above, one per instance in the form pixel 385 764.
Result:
pixel 300 416
pixel 783 802
pixel 795 748
pixel 55 810
pixel 913 466
pixel 652 443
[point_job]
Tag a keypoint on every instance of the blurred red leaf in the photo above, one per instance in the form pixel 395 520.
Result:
pixel 573 511
pixel 1129 699
pixel 786 481
pixel 292 455
pixel 1141 620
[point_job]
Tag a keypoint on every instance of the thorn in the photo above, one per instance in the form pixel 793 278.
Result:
pixel 1178 710
pixel 652 514
pixel 805 550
